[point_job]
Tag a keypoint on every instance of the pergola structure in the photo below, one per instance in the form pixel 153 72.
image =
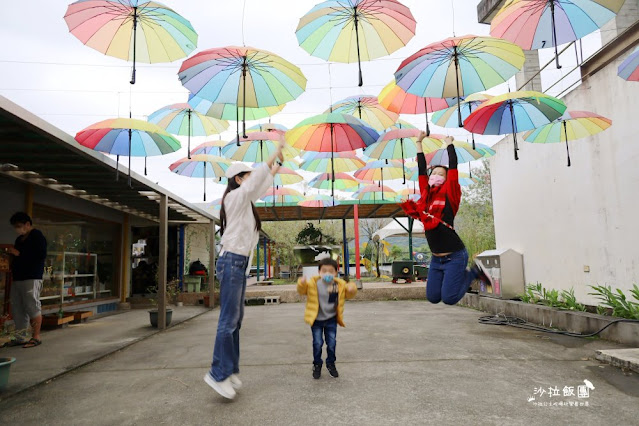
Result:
pixel 39 154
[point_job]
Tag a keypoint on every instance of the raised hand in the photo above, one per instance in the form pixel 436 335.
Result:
pixel 448 140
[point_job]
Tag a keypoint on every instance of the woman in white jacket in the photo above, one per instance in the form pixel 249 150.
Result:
pixel 240 227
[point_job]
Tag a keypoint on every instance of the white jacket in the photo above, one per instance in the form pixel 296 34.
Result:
pixel 240 236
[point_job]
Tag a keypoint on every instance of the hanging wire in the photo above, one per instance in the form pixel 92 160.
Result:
pixel 452 6
pixel 243 16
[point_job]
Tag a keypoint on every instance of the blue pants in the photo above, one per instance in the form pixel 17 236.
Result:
pixel 448 278
pixel 328 329
pixel 231 271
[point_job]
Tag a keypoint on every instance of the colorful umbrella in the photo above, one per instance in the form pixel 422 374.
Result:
pixel 210 147
pixel 448 117
pixel 128 137
pixel 215 205
pixel 257 148
pixel 111 28
pixel 202 166
pixel 286 176
pixel 535 24
pixel 466 180
pixel 320 162
pixel 332 132
pixel 376 193
pixel 243 76
pixel 355 30
pixel 381 170
pixel 230 111
pixel 459 66
pixel 484 150
pixel 393 98
pixel 629 68
pixel 181 119
pixel 319 201
pixel 409 194
pixel 465 154
pixel 268 127
pixel 291 164
pixel 513 113
pixel 282 195
pixel 570 126
pixel 341 182
pixel 367 109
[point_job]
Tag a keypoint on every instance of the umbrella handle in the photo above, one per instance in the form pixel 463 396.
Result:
pixel 459 119
pixel 426 109
pixel 554 32
pixel 359 63
pixel 567 149
pixel 135 28
pixel 189 140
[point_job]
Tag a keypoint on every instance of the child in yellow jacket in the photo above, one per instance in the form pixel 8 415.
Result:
pixel 325 296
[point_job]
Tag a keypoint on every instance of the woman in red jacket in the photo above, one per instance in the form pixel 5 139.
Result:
pixel 440 196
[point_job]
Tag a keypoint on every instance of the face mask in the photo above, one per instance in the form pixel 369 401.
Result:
pixel 328 278
pixel 436 180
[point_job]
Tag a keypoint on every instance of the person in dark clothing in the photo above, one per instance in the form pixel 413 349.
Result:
pixel 30 252
pixel 440 196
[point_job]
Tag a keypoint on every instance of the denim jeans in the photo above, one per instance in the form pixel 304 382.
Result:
pixel 231 271
pixel 448 278
pixel 324 330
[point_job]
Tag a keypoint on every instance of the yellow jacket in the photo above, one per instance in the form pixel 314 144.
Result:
pixel 309 288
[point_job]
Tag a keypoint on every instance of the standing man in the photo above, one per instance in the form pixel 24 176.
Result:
pixel 29 251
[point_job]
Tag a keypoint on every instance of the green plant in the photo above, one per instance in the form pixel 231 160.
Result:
pixel 172 291
pixel 602 310
pixel 569 301
pixel 617 301
pixel 310 235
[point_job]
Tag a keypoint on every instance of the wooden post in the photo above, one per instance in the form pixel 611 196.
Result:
pixel 212 255
pixel 270 272
pixel 358 277
pixel 164 230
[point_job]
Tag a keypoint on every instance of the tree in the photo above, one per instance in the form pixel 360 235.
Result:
pixel 474 221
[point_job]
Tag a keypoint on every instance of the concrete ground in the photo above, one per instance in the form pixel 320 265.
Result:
pixel 404 362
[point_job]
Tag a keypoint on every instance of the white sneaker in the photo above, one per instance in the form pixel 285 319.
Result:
pixel 224 387
pixel 235 381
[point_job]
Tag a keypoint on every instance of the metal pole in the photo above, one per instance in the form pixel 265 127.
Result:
pixel 270 274
pixel 212 265
pixel 346 256
pixel 358 276
pixel 265 259
pixel 164 229
pixel 410 237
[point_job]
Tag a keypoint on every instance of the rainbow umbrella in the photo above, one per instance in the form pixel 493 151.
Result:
pixel 131 30
pixel 210 147
pixel 376 193
pixel 448 118
pixel 291 164
pixel 355 30
pixel 629 68
pixel 282 195
pixel 484 150
pixel 181 119
pixel 320 162
pixel 466 180
pixel 570 126
pixel 409 194
pixel 332 132
pixel 459 66
pixel 215 205
pixel 268 127
pixel 257 148
pixel 535 24
pixel 380 170
pixel 286 176
pixel 513 113
pixel 202 166
pixel 243 76
pixel 367 109
pixel 319 201
pixel 393 98
pixel 230 111
pixel 341 182
pixel 465 154
pixel 128 137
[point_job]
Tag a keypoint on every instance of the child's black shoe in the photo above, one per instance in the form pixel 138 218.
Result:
pixel 332 370
pixel 317 371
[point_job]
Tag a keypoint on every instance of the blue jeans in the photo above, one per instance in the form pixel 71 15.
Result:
pixel 231 271
pixel 448 278
pixel 328 329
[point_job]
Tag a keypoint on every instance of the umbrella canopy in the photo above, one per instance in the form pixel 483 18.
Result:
pixel 341 182
pixel 268 127
pixel 484 150
pixel 514 112
pixel 256 150
pixel 243 76
pixel 181 119
pixel 355 30
pixel 231 111
pixel 376 193
pixel 535 24
pixel 210 147
pixel 448 117
pixel 320 162
pixel 332 132
pixel 202 166
pixel 409 194
pixel 466 180
pixel 629 68
pixel 286 176
pixel 459 66
pixel 570 126
pixel 381 170
pixel 465 154
pixel 282 195
pixel 131 30
pixel 367 109
pixel 291 164
pixel 319 201
pixel 395 99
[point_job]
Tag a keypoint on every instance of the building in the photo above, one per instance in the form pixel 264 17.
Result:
pixel 577 226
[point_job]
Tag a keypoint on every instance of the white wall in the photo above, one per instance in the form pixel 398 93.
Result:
pixel 196 241
pixel 564 218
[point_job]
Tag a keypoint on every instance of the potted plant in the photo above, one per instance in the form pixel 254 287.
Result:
pixel 312 241
pixel 172 290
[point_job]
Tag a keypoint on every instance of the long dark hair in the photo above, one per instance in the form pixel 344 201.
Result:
pixel 232 185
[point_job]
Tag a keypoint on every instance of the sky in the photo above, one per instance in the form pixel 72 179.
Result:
pixel 46 70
